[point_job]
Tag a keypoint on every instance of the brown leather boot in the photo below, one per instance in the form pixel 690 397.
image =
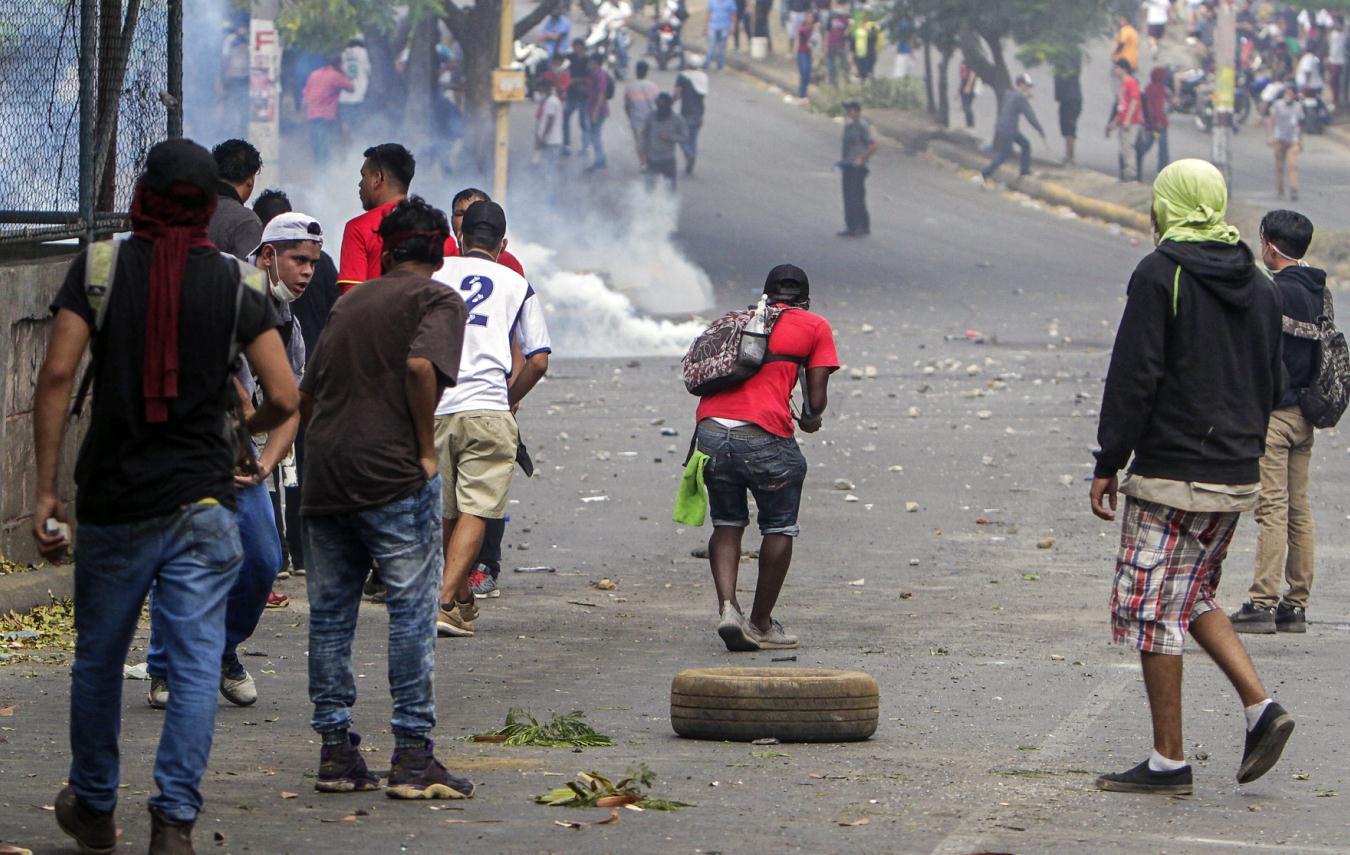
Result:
pixel 168 837
pixel 95 833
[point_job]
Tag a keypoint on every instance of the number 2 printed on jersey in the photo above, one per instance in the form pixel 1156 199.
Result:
pixel 481 287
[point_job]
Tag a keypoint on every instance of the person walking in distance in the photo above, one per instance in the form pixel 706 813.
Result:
pixel 747 433
pixel 597 111
pixel 1127 43
pixel 1285 542
pixel 722 16
pixel 1069 97
pixel 663 132
pixel 234 229
pixel 323 91
pixel 476 434
pixel 1201 323
pixel 162 312
pixel 837 28
pixel 691 88
pixel 639 100
pixel 548 138
pixel 805 39
pixel 969 84
pixel 372 492
pixel 1007 132
pixel 1157 96
pixel 290 248
pixel 1284 133
pixel 1127 120
pixel 859 146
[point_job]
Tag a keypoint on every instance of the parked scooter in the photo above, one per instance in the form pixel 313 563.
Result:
pixel 668 45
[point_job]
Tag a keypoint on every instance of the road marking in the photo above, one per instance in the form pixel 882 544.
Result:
pixel 1241 844
pixel 1057 748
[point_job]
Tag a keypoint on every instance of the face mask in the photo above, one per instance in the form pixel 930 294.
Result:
pixel 280 292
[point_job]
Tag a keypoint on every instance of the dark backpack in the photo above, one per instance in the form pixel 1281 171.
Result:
pixel 727 353
pixel 1325 399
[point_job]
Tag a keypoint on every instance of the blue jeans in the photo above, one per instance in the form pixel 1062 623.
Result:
pixel 803 73
pixel 192 557
pixel 404 536
pixel 771 467
pixel 690 145
pixel 594 138
pixel 258 536
pixel 717 51
pixel 836 60
pixel 583 122
pixel 1003 146
pixel 322 132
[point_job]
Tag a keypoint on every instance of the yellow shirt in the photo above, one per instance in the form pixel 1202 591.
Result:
pixel 1127 46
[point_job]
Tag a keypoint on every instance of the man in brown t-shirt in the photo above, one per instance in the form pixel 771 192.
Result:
pixel 370 491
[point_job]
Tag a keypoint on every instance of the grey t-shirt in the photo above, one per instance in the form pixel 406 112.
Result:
pixel 661 136
pixel 234 229
pixel 1288 119
pixel 857 139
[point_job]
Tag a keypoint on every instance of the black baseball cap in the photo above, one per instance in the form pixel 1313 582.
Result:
pixel 485 219
pixel 180 160
pixel 787 280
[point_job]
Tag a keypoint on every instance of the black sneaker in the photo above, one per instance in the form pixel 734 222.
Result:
pixel 1265 743
pixel 1254 619
pixel 1290 618
pixel 168 837
pixel 93 832
pixel 415 773
pixel 342 769
pixel 1142 779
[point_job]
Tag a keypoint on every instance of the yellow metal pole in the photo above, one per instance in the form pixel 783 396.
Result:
pixel 505 50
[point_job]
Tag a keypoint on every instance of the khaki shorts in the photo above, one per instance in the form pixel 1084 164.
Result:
pixel 476 453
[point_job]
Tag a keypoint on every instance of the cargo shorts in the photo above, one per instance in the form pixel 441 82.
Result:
pixel 476 455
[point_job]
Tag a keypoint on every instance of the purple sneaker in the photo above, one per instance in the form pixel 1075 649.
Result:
pixel 342 769
pixel 415 773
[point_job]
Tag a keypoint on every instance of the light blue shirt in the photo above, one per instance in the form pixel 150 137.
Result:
pixel 560 24
pixel 720 13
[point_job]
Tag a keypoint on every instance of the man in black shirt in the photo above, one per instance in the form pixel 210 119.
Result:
pixel 691 87
pixel 155 478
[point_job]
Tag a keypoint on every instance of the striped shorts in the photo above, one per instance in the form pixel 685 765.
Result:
pixel 1167 572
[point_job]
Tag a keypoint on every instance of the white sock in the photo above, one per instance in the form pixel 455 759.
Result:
pixel 1159 763
pixel 1254 712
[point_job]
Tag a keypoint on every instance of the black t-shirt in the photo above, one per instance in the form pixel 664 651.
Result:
pixel 691 103
pixel 129 470
pixel 312 307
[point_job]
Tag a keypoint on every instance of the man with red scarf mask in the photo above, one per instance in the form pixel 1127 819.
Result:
pixel 155 480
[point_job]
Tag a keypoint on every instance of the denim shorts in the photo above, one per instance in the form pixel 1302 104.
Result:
pixel 772 468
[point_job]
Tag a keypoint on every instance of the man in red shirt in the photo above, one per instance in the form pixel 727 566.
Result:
pixel 463 199
pixel 321 107
pixel 1127 119
pixel 746 431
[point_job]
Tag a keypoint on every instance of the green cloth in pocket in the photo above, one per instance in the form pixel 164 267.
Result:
pixel 691 501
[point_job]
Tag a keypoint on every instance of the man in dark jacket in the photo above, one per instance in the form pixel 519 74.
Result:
pixel 1016 104
pixel 234 228
pixel 1194 375
pixel 1284 543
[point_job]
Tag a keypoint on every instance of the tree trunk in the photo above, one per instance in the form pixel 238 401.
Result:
pixel 419 109
pixel 944 102
pixel 977 49
pixel 928 76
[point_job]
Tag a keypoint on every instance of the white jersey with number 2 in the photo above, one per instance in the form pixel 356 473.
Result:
pixel 502 306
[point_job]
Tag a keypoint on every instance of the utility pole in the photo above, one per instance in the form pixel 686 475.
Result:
pixel 264 86
pixel 1225 86
pixel 508 86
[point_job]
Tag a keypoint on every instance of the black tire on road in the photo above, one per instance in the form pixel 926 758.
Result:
pixel 790 704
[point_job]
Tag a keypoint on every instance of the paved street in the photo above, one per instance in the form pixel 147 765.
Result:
pixel 1001 697
pixel 1325 178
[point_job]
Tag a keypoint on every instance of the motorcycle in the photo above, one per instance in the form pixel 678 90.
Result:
pixel 1316 116
pixel 533 59
pixel 613 46
pixel 1188 83
pixel 668 45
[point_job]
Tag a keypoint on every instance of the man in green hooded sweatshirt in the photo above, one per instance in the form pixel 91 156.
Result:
pixel 1195 372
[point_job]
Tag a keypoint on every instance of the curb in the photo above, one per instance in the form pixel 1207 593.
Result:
pixel 939 142
pixel 23 592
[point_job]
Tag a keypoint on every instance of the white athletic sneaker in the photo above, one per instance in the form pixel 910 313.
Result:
pixel 239 688
pixel 735 631
pixel 158 696
pixel 776 638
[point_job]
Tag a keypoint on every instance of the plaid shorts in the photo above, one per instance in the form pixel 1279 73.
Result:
pixel 1166 573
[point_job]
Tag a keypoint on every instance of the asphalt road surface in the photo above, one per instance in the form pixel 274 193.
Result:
pixel 1001 696
pixel 1324 177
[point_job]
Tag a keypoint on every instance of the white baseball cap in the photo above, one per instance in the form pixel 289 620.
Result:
pixel 291 225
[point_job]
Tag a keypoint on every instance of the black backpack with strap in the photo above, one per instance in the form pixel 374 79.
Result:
pixel 1324 401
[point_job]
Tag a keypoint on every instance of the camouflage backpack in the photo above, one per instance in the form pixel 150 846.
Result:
pixel 728 352
pixel 1325 399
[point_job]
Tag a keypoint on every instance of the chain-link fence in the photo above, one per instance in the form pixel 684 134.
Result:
pixel 86 87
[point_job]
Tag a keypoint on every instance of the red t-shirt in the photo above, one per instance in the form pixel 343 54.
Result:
pixel 322 90
pixel 763 399
pixel 362 248
pixel 1129 104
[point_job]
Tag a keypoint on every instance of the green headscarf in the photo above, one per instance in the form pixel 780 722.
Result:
pixel 1190 200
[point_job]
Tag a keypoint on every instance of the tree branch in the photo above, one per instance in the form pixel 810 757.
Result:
pixel 456 20
pixel 532 20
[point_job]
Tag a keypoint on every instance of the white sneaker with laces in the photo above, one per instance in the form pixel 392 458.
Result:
pixel 735 630
pixel 240 691
pixel 775 638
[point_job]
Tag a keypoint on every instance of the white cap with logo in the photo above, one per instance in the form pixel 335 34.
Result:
pixel 291 225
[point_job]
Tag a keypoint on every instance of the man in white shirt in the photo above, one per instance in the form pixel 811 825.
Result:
pixel 476 436
pixel 1308 75
pixel 548 138
pixel 1157 14
pixel 1336 60
pixel 356 65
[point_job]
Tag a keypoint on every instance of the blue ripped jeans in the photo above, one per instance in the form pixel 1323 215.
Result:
pixel 748 458
pixel 261 544
pixel 192 557
pixel 404 536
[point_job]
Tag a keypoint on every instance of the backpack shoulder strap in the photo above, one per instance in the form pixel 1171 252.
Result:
pixel 770 356
pixel 1328 309
pixel 250 279
pixel 1176 291
pixel 100 272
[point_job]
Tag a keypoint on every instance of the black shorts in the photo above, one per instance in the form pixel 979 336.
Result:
pixel 1157 31
pixel 1069 112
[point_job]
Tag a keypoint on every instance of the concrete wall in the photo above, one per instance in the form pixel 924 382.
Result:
pixel 26 292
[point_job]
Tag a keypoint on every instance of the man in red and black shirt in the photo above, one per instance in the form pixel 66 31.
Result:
pixel 747 433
